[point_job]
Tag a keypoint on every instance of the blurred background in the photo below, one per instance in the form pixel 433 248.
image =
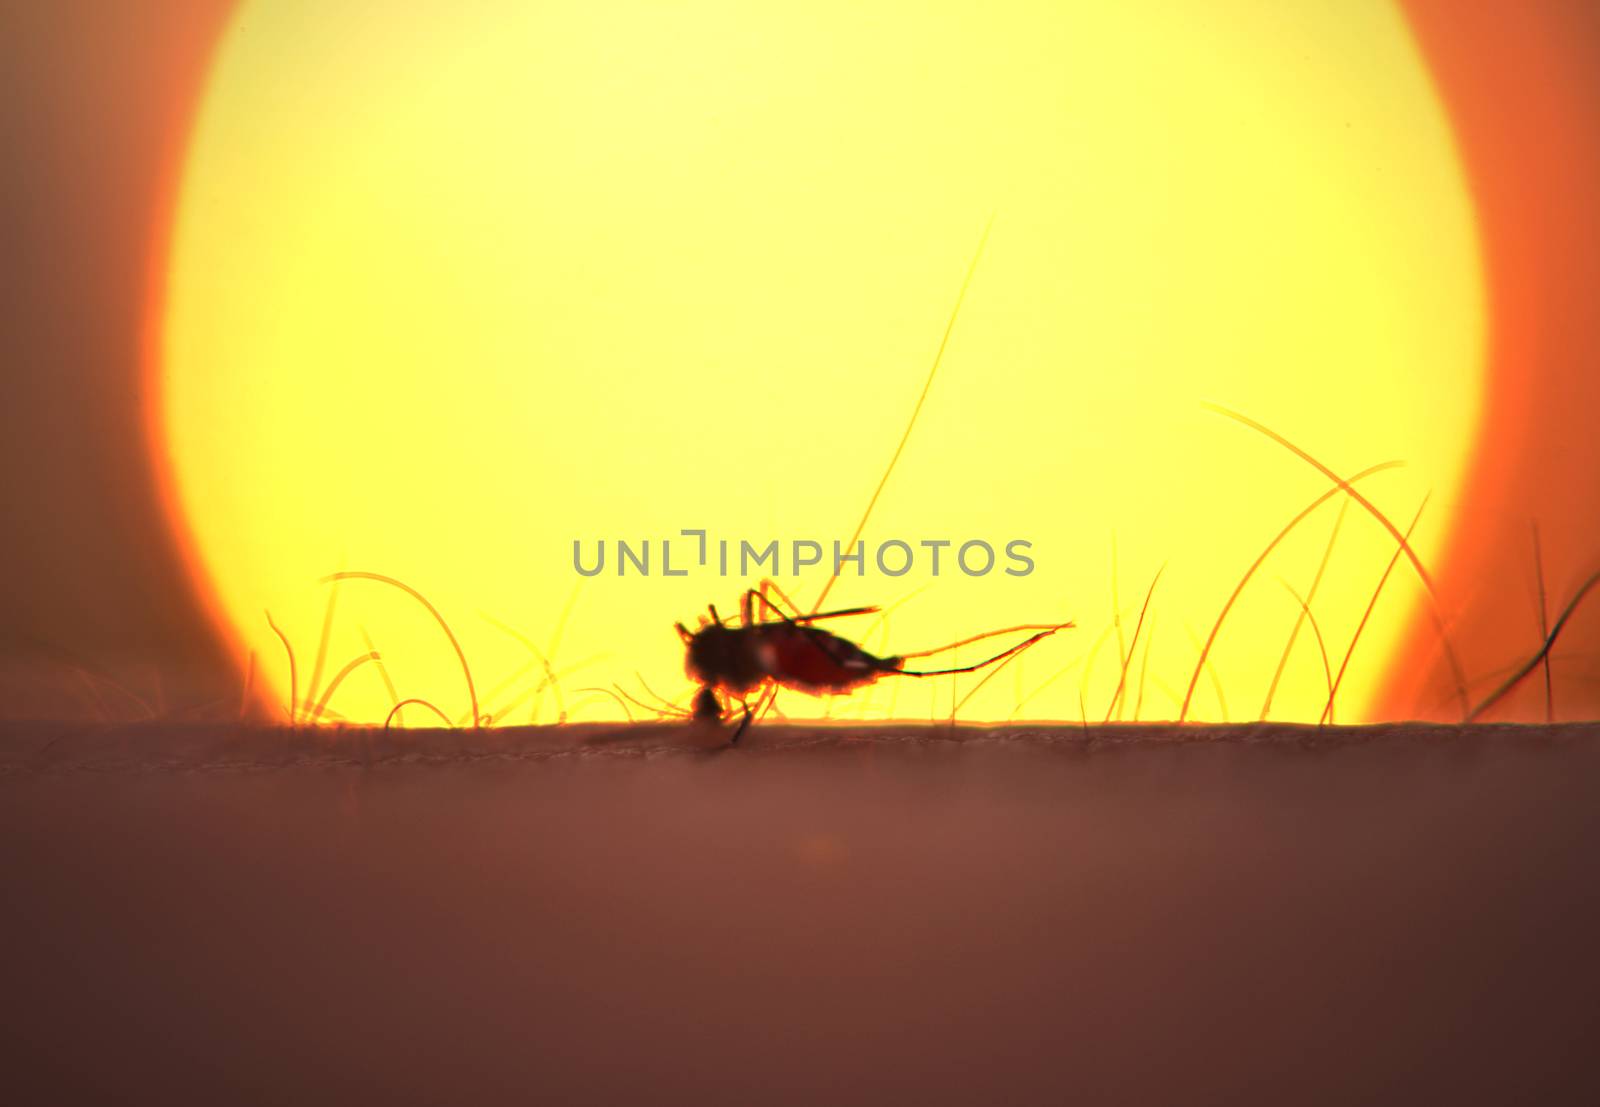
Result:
pixel 100 616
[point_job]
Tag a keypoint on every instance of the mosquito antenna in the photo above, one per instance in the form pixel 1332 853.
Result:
pixel 927 386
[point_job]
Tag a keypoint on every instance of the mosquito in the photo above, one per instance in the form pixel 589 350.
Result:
pixel 759 655
pixel 772 647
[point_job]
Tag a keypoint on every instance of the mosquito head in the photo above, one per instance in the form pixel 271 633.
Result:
pixel 722 657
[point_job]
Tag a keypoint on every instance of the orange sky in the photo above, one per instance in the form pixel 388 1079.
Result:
pixel 101 95
pixel 1523 82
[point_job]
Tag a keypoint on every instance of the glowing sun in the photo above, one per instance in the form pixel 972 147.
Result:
pixel 453 287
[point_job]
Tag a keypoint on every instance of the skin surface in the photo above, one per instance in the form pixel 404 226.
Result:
pixel 908 914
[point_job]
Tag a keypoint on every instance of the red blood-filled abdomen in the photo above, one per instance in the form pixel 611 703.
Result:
pixel 812 660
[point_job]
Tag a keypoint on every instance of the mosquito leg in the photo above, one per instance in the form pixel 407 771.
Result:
pixel 769 589
pixel 766 702
pixel 763 595
pixel 1046 628
pixel 754 605
pixel 744 723
pixel 1018 648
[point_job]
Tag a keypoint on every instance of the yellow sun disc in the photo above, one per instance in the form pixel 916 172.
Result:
pixel 455 287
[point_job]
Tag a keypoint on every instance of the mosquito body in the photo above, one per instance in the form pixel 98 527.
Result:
pixel 771 648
